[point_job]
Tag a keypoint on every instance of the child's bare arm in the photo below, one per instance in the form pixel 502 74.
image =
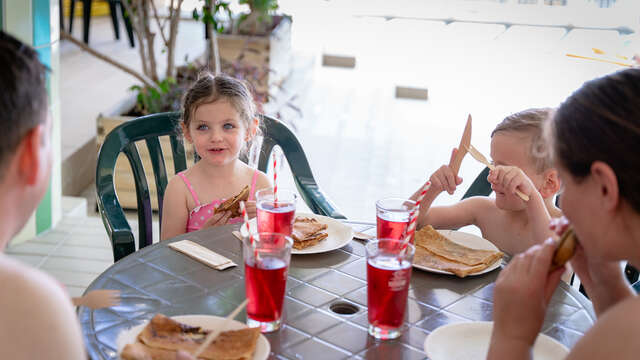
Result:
pixel 454 216
pixel 175 212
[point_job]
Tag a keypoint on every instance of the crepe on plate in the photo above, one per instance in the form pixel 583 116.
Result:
pixel 436 251
pixel 233 204
pixel 163 336
pixel 307 232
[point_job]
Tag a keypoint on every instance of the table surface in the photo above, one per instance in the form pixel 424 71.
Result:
pixel 157 279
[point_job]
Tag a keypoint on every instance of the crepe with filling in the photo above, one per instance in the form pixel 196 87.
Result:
pixel 307 232
pixel 233 204
pixel 163 334
pixel 424 257
pixel 438 244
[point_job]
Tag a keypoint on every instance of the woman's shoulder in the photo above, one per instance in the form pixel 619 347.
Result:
pixel 614 335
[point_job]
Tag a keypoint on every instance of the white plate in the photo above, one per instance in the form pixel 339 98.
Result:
pixel 339 235
pixel 207 322
pixel 468 240
pixel 470 341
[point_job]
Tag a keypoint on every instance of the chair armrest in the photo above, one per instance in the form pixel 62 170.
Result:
pixel 320 203
pixel 116 225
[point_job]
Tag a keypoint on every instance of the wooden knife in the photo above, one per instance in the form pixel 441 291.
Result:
pixel 462 149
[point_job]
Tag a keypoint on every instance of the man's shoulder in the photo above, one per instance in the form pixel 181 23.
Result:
pixel 19 280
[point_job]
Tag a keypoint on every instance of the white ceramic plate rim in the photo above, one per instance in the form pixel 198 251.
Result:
pixel 544 344
pixel 339 235
pixel 469 240
pixel 129 336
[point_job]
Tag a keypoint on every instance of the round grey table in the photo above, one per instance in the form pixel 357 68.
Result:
pixel 158 279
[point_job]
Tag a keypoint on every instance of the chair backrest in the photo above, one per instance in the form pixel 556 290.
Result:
pixel 149 128
pixel 480 186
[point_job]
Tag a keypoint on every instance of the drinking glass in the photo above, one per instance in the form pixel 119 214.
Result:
pixel 392 217
pixel 388 276
pixel 276 216
pixel 266 263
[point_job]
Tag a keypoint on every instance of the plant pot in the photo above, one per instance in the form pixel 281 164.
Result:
pixel 270 53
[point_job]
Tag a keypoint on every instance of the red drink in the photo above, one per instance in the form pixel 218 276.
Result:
pixel 276 219
pixel 388 287
pixel 392 217
pixel 388 276
pixel 388 229
pixel 265 285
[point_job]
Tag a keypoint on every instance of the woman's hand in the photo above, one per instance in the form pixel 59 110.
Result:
pixel 250 206
pixel 444 179
pixel 509 179
pixel 604 281
pixel 521 296
pixel 218 219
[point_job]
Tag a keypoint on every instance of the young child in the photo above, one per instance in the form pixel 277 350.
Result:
pixel 522 162
pixel 37 318
pixel 219 120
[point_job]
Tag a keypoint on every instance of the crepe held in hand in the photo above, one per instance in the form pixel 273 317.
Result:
pixel 307 232
pixel 163 337
pixel 436 251
pixel 233 204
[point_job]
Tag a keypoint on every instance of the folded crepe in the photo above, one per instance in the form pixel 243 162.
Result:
pixel 426 258
pixel 307 232
pixel 233 204
pixel 436 251
pixel 163 337
pixel 432 240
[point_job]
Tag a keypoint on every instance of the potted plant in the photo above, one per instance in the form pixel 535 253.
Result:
pixel 243 46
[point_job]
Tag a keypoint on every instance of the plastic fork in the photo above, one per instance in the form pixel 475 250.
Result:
pixel 98 299
pixel 478 156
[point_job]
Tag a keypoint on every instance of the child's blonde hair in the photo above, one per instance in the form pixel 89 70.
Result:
pixel 531 122
pixel 209 89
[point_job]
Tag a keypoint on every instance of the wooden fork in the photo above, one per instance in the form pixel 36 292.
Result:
pixel 478 156
pixel 98 299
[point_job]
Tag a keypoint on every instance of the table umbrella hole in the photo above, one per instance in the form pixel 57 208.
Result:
pixel 343 308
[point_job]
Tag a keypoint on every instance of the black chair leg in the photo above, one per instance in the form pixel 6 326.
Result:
pixel 71 13
pixel 127 24
pixel 86 14
pixel 113 11
pixel 61 15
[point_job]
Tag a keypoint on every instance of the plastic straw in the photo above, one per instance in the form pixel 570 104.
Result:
pixel 275 183
pixel 246 226
pixel 411 229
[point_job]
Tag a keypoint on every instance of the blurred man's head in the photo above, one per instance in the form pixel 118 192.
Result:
pixel 25 128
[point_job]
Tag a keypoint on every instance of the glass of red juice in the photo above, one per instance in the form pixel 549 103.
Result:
pixel 276 214
pixel 266 263
pixel 392 217
pixel 388 275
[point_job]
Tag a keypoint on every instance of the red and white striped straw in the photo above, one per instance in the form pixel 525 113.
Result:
pixel 246 226
pixel 246 220
pixel 275 177
pixel 411 229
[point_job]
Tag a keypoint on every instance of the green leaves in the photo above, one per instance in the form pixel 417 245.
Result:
pixel 166 97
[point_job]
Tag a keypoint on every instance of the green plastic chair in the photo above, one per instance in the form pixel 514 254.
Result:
pixel 149 128
pixel 480 186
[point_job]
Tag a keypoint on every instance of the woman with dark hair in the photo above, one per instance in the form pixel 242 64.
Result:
pixel 594 136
